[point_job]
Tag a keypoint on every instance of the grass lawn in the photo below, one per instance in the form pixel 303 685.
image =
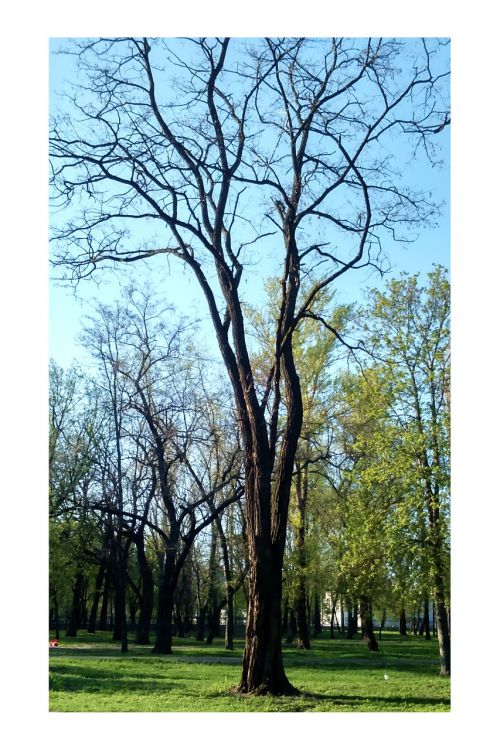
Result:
pixel 89 673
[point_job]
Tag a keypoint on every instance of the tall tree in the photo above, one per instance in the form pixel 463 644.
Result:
pixel 409 331
pixel 304 129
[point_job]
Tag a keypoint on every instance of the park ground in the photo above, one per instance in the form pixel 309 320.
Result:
pixel 89 673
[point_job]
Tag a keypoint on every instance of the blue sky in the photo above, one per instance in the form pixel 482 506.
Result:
pixel 66 306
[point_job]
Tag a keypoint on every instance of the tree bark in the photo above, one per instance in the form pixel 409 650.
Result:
pixel 402 622
pixel 56 613
pixel 352 620
pixel 147 588
pixel 284 621
pixel 317 616
pixel 263 670
pixel 291 630
pixel 332 619
pixel 365 613
pixel 425 624
pixel 103 617
pixel 229 631
pixel 200 624
pixel 443 633
pixel 97 595
pixel 76 605
pixel 163 643
pixel 301 487
pixel 382 623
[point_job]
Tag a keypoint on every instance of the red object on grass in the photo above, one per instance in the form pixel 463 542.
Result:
pixel 54 643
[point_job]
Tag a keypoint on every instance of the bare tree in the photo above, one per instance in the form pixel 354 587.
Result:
pixel 174 482
pixel 216 146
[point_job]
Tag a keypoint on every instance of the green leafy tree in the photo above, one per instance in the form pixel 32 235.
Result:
pixel 408 330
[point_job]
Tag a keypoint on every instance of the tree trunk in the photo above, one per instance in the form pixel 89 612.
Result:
pixel 352 620
pixel 76 606
pixel 284 621
pixel 146 604
pixel 200 624
pixel 263 670
pixel 365 613
pixel 120 627
pixel 213 623
pixel 301 615
pixel 292 626
pixel 332 619
pixel 301 488
pixel 229 633
pixel 382 623
pixel 103 617
pixel 317 616
pixel 425 624
pixel 97 595
pixel 56 613
pixel 402 622
pixel 163 643
pixel 443 633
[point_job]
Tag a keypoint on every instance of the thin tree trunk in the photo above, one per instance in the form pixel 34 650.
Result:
pixel 147 588
pixel 229 632
pixel 103 617
pixel 443 633
pixel 76 606
pixel 284 621
pixel 56 613
pixel 317 616
pixel 332 618
pixel 292 626
pixel 301 487
pixel 425 626
pixel 382 623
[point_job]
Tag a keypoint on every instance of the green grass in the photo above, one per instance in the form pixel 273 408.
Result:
pixel 89 673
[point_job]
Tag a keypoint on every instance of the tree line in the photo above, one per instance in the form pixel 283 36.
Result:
pixel 148 534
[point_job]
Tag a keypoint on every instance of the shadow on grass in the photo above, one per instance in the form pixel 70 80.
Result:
pixel 375 699
pixel 372 662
